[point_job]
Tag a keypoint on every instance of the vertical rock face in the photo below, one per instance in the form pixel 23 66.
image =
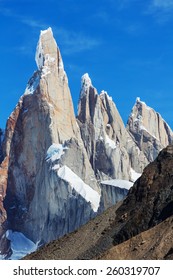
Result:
pixel 150 132
pixel 111 150
pixel 47 194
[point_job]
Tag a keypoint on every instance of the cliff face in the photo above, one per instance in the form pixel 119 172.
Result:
pixel 148 129
pixel 47 194
pixel 110 148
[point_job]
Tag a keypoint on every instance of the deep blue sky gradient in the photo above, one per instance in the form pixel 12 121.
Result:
pixel 126 46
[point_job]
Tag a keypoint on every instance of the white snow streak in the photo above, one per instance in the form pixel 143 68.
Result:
pixel 110 142
pixel 80 187
pixel 134 175
pixel 55 152
pixel 85 84
pixel 103 93
pixel 123 184
pixel 32 84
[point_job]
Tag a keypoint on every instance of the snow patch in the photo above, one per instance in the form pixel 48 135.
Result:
pixel 134 175
pixel 103 93
pixel 110 142
pixel 20 245
pixel 123 184
pixel 56 167
pixel 32 84
pixel 45 71
pixel 2 257
pixel 85 84
pixel 60 64
pixel 43 60
pixel 55 152
pixel 139 120
pixel 80 187
pixel 144 128
pixel 43 32
pixel 138 100
pixel 39 55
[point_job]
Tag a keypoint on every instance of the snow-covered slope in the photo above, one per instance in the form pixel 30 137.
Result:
pixel 80 187
pixel 20 245
pixel 122 184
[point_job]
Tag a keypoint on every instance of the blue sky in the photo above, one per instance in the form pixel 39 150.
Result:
pixel 126 46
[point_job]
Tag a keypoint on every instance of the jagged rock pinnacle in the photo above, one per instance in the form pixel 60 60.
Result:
pixel 86 83
pixel 46 55
pixel 145 123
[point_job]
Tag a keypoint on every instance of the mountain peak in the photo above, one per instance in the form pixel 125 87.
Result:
pixel 145 123
pixel 104 93
pixel 49 29
pixel 46 53
pixel 86 83
pixel 142 103
pixel 138 99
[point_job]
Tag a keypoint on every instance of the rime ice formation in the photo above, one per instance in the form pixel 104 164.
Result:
pixel 85 84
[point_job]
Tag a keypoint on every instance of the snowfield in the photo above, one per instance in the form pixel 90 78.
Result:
pixel 20 245
pixel 80 187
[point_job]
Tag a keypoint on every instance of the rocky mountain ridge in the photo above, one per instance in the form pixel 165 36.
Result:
pixel 55 165
pixel 110 148
pixel 149 130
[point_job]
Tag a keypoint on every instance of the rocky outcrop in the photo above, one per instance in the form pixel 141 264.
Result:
pixel 153 244
pixel 150 200
pixel 148 129
pixel 47 194
pixel 111 150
